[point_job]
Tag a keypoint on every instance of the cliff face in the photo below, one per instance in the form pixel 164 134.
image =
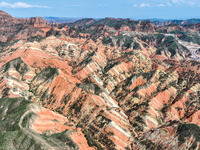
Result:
pixel 76 90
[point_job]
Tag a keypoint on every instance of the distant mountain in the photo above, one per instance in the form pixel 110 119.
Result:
pixel 157 19
pixel 60 19
pixel 117 24
pixel 160 22
pixel 71 21
pixel 82 22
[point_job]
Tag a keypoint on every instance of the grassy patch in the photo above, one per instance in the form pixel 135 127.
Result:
pixel 186 131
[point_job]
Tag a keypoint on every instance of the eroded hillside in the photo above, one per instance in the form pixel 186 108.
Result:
pixel 106 89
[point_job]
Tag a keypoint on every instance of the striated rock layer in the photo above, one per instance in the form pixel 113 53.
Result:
pixel 73 92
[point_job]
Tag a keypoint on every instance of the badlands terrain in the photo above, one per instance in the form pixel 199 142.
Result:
pixel 113 84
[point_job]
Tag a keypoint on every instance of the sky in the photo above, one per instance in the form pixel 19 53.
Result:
pixel 135 9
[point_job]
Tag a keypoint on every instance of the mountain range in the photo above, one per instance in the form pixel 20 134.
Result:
pixel 113 84
pixel 155 21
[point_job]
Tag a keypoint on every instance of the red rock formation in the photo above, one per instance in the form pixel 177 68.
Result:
pixel 105 97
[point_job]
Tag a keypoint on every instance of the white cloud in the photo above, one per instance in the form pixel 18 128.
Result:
pixel 185 2
pixel 160 5
pixel 135 5
pixel 102 5
pixel 192 3
pixel 145 5
pixel 178 1
pixel 76 5
pixel 20 5
pixel 169 4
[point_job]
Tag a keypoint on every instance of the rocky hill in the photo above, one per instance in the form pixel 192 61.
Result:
pixel 178 22
pixel 99 87
pixel 18 28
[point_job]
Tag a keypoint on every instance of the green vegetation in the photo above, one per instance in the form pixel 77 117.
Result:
pixel 128 42
pixel 117 23
pixel 136 46
pixel 173 48
pixel 169 43
pixel 87 59
pixel 11 135
pixel 63 138
pixel 191 38
pixel 16 108
pixel 159 51
pixel 188 36
pixel 159 38
pixel 15 131
pixel 48 73
pixel 119 39
pixel 148 38
pixel 18 64
pixel 148 75
pixel 91 141
pixel 138 127
pixel 107 40
pixel 186 131
pixel 110 65
pixel 8 44
pixel 168 40
pixel 149 144
pixel 35 38
pixel 76 107
pixel 139 119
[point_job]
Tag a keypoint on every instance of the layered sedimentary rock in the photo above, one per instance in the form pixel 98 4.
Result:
pixel 75 90
pixel 107 96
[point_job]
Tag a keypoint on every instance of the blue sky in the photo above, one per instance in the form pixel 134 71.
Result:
pixel 136 9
